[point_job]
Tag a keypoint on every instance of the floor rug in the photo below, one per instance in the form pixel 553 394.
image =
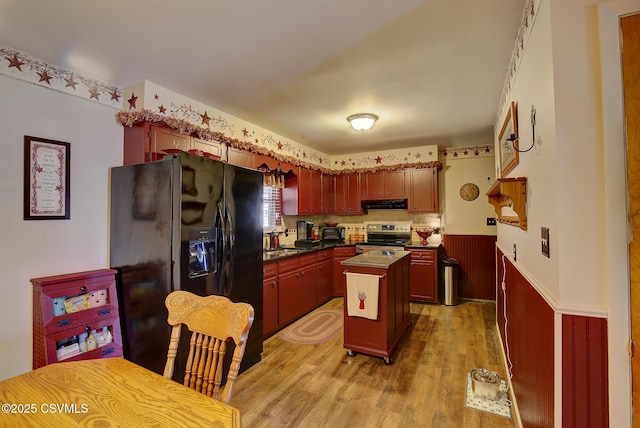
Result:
pixel 316 327
pixel 500 407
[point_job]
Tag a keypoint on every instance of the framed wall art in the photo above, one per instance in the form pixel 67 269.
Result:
pixel 46 179
pixel 508 155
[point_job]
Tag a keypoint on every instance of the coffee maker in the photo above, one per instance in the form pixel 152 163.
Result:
pixel 305 235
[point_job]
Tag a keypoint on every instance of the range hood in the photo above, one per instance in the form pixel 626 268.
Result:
pixel 384 204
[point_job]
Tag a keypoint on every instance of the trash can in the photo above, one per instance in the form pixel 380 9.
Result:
pixel 449 280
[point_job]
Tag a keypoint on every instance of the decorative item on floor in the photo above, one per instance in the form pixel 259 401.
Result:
pixel 477 392
pixel 316 327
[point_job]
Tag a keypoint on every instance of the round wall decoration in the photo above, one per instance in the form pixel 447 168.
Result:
pixel 469 191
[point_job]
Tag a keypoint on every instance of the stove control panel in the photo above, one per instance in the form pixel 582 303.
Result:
pixel 389 228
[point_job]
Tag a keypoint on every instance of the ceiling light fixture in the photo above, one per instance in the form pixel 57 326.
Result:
pixel 362 121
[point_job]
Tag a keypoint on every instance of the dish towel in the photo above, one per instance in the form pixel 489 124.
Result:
pixel 362 295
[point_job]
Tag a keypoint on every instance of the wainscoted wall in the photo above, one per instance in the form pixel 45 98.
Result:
pixel 584 372
pixel 528 344
pixel 477 270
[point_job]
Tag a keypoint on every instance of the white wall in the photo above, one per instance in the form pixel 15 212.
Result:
pixel 462 217
pixel 30 249
pixel 570 72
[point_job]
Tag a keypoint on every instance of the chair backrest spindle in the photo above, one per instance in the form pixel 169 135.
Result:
pixel 212 320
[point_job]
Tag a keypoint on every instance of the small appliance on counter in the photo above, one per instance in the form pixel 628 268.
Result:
pixel 305 235
pixel 333 235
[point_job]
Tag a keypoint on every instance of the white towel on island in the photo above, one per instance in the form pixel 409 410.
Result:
pixel 362 295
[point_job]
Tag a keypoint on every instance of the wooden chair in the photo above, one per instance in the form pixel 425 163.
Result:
pixel 213 320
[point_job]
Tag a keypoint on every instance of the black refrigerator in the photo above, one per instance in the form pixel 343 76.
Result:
pixel 184 222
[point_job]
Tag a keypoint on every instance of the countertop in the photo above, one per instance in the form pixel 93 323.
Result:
pixel 376 258
pixel 283 252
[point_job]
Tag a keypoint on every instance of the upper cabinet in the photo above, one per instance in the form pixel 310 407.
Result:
pixel 346 194
pixel 302 193
pixel 213 148
pixel 423 190
pixel 384 185
pixel 146 142
pixel 239 157
pixel 326 186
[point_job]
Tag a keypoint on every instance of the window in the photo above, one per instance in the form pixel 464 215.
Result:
pixel 271 206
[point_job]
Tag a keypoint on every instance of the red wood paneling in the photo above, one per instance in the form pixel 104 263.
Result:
pixel 584 372
pixel 528 343
pixel 477 270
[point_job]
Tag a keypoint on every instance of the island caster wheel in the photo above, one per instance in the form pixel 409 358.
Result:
pixel 388 361
pixel 350 353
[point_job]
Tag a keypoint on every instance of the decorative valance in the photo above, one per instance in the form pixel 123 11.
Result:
pixel 182 126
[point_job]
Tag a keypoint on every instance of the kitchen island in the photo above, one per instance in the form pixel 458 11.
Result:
pixel 377 302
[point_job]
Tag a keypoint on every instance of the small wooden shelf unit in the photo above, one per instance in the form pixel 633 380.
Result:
pixel 54 330
pixel 510 192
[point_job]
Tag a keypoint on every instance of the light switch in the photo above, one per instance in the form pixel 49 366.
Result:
pixel 544 238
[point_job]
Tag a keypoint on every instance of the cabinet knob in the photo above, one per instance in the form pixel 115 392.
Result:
pixel 87 328
pixel 83 288
pixel 273 284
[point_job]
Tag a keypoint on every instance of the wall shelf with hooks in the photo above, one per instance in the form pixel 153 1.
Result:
pixel 510 192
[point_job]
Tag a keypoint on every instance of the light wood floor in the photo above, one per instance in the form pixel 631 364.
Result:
pixel 320 386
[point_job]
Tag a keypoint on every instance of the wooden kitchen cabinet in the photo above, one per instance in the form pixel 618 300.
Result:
pixel 214 149
pixel 302 193
pixel 423 190
pixel 347 194
pixel 384 185
pixel 380 336
pixel 325 276
pixel 145 142
pixel 241 158
pixel 424 275
pixel 339 280
pixel 326 186
pixel 270 298
pixel 69 310
pixel 297 293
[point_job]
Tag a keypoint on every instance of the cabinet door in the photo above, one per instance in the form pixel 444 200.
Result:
pixel 326 201
pixel 325 281
pixel 423 281
pixel 270 305
pixel 239 157
pixel 209 148
pixel 296 294
pixel 373 185
pixel 423 190
pixel 353 194
pixel 340 189
pixel 394 184
pixel 309 191
pixel 167 139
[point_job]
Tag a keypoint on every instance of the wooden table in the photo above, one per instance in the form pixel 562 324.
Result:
pixel 107 392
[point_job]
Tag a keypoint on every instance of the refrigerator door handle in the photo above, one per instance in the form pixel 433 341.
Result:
pixel 221 256
pixel 231 253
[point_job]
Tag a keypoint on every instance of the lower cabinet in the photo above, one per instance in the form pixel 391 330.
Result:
pixel 339 280
pixel 423 275
pixel 295 285
pixel 297 293
pixel 325 281
pixel 270 298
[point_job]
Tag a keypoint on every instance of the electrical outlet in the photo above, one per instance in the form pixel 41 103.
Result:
pixel 491 221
